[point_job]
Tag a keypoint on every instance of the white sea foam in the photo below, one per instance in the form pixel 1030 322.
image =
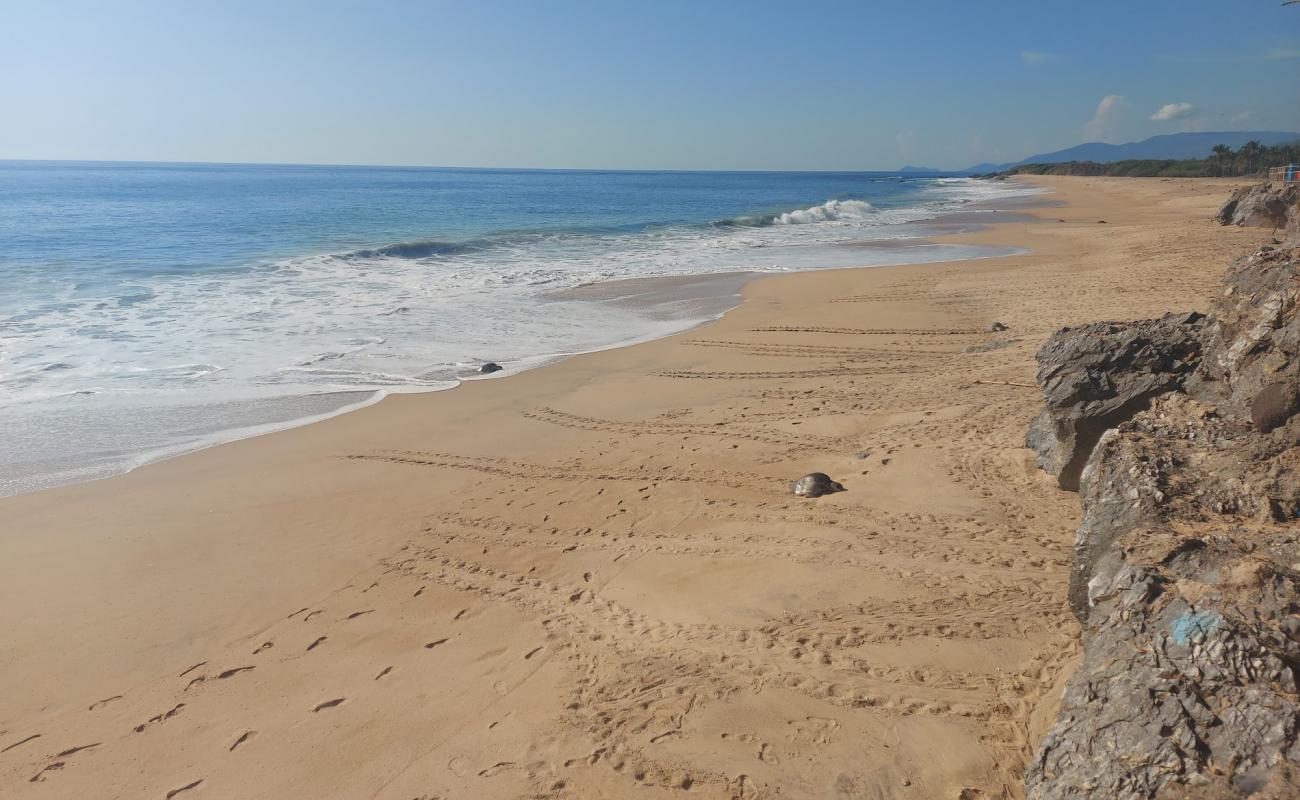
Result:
pixel 91 385
pixel 830 211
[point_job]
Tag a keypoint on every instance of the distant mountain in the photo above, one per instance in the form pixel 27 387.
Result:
pixel 1173 145
pixel 920 169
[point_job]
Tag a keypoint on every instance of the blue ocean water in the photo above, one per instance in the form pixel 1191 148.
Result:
pixel 149 309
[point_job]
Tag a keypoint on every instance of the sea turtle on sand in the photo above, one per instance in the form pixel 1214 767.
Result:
pixel 815 484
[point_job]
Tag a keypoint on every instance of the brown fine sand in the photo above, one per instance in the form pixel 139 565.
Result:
pixel 588 580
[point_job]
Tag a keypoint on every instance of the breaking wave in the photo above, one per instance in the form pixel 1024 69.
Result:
pixel 415 250
pixel 830 211
pixel 99 367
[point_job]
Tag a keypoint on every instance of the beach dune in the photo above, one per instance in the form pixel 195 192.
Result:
pixel 590 580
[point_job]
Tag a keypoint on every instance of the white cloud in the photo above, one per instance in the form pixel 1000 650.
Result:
pixel 1103 120
pixel 1035 56
pixel 1172 111
pixel 1241 117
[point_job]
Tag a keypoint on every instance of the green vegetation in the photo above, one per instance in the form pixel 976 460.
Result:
pixel 1251 159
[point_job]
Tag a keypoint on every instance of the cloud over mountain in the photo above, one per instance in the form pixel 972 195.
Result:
pixel 1173 111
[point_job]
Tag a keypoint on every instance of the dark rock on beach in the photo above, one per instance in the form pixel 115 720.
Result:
pixel 1182 579
pixel 1254 341
pixel 815 484
pixel 1273 406
pixel 1185 569
pixel 490 367
pixel 1260 206
pixel 1097 375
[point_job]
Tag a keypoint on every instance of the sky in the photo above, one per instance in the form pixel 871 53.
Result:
pixel 615 84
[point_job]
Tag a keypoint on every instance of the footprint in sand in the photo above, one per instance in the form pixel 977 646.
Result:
pixel 329 704
pixel 184 788
pixel 21 741
pixel 232 672
pixel 99 704
pixel 315 644
pixel 163 717
pixel 59 764
pixel 243 737
pixel 191 669
pixel 40 776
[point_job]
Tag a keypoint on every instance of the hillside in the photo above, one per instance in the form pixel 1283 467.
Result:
pixel 1250 159
pixel 1169 147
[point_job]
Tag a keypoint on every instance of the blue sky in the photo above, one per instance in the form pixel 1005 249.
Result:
pixel 676 85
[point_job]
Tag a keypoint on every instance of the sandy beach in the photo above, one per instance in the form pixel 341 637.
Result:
pixel 589 580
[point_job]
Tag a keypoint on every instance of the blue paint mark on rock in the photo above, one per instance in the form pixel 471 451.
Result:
pixel 1194 625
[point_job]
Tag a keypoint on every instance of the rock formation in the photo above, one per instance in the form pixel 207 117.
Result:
pixel 1186 563
pixel 815 484
pixel 1260 206
pixel 1097 375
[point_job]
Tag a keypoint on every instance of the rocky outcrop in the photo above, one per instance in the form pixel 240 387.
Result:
pixel 1182 578
pixel 1253 346
pixel 1261 206
pixel 1096 376
pixel 815 484
pixel 1185 573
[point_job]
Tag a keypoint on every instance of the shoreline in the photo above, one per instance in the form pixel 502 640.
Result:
pixel 694 300
pixel 590 576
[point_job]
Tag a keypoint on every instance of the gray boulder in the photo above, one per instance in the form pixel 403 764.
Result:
pixel 1095 376
pixel 1261 206
pixel 1252 346
pixel 815 484
pixel 1188 684
pixel 1185 575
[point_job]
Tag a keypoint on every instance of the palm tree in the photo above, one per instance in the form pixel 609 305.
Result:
pixel 1251 152
pixel 1222 155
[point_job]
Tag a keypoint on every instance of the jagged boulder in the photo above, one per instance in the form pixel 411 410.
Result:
pixel 1251 360
pixel 1261 206
pixel 1178 459
pixel 1095 376
pixel 1191 643
pixel 1185 575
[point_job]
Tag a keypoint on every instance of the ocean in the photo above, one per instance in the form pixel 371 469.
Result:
pixel 148 310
